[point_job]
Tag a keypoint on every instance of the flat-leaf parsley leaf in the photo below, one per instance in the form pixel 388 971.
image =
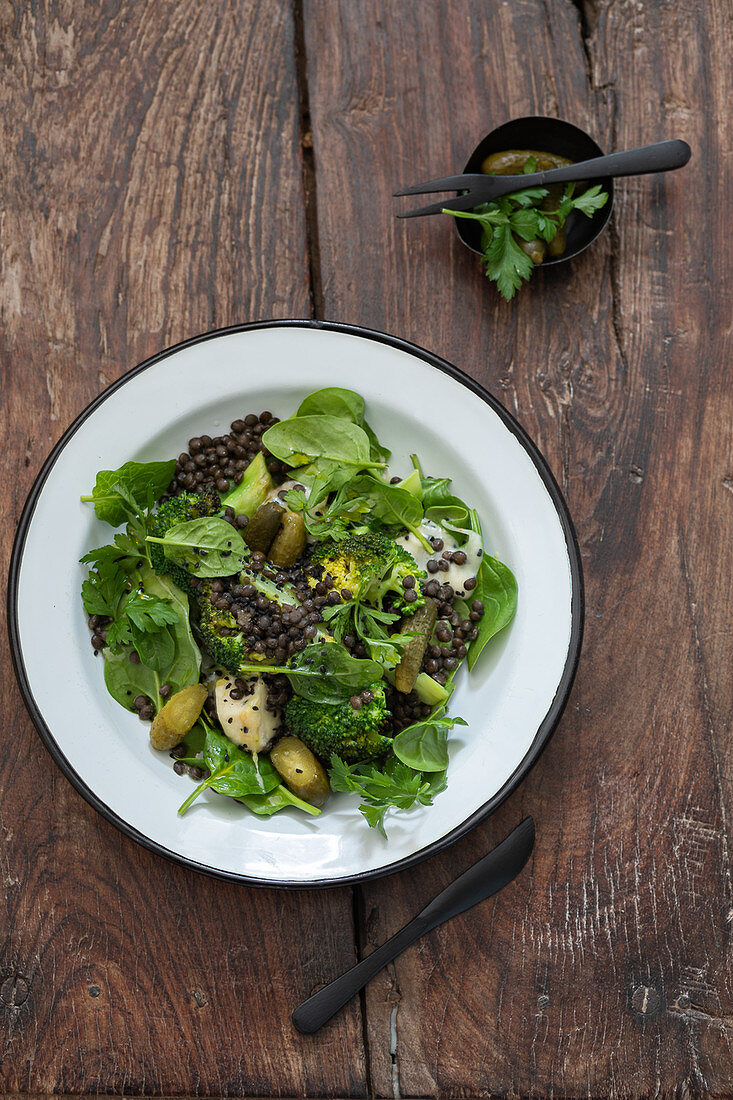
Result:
pixel 518 217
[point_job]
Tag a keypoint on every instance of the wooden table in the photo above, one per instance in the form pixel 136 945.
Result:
pixel 170 167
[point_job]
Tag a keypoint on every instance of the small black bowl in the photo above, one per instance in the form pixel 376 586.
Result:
pixel 547 135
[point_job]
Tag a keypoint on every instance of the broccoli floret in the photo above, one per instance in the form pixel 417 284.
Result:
pixel 232 643
pixel 179 509
pixel 403 565
pixel 371 566
pixel 219 633
pixel 353 735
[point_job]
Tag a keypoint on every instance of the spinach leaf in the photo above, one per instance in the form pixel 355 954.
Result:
pixel 124 680
pixel 250 780
pixel 265 805
pixel 207 547
pixel 443 507
pixel 119 493
pixel 194 742
pixel 323 672
pixel 248 774
pixel 327 673
pixel 334 401
pixel 234 771
pixel 323 476
pixel 439 502
pixel 302 439
pixel 395 785
pixel 378 451
pixel 424 745
pixel 496 587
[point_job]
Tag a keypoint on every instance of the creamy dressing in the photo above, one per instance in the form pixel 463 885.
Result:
pixel 456 575
pixel 246 722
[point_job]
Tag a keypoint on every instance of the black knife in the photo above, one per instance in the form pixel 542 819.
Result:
pixel 476 884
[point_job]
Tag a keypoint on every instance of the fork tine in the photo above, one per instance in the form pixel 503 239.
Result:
pixel 447 183
pixel 463 202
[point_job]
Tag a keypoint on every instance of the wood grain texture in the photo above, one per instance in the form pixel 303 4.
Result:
pixel 150 188
pixel 606 969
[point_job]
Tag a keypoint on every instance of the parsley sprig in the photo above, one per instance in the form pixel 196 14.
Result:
pixel 371 626
pixel 116 584
pixel 506 221
pixel 394 785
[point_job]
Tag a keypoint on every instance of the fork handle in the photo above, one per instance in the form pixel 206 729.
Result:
pixel 662 156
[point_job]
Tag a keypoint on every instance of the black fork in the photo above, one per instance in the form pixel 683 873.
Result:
pixel 662 156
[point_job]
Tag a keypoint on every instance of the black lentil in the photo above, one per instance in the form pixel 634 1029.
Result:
pixel 216 462
pixel 405 709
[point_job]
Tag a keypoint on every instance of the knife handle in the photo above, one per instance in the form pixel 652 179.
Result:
pixel 479 882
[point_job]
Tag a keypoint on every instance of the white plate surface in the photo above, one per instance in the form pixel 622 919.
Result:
pixel 511 701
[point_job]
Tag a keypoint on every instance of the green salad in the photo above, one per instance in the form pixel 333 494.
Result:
pixel 288 615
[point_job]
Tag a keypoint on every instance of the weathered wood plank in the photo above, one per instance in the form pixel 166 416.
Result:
pixel 150 189
pixel 605 970
pixel 673 305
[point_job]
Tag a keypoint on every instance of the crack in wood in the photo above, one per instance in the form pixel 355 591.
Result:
pixel 395 999
pixel 587 15
pixel 614 263
pixel 701 662
pixel 309 165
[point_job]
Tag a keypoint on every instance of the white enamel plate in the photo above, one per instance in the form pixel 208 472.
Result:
pixel 416 402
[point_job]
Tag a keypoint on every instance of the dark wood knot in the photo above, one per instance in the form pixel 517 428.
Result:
pixel 14 990
pixel 645 1000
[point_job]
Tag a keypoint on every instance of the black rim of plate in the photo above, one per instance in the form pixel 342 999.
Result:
pixel 546 727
